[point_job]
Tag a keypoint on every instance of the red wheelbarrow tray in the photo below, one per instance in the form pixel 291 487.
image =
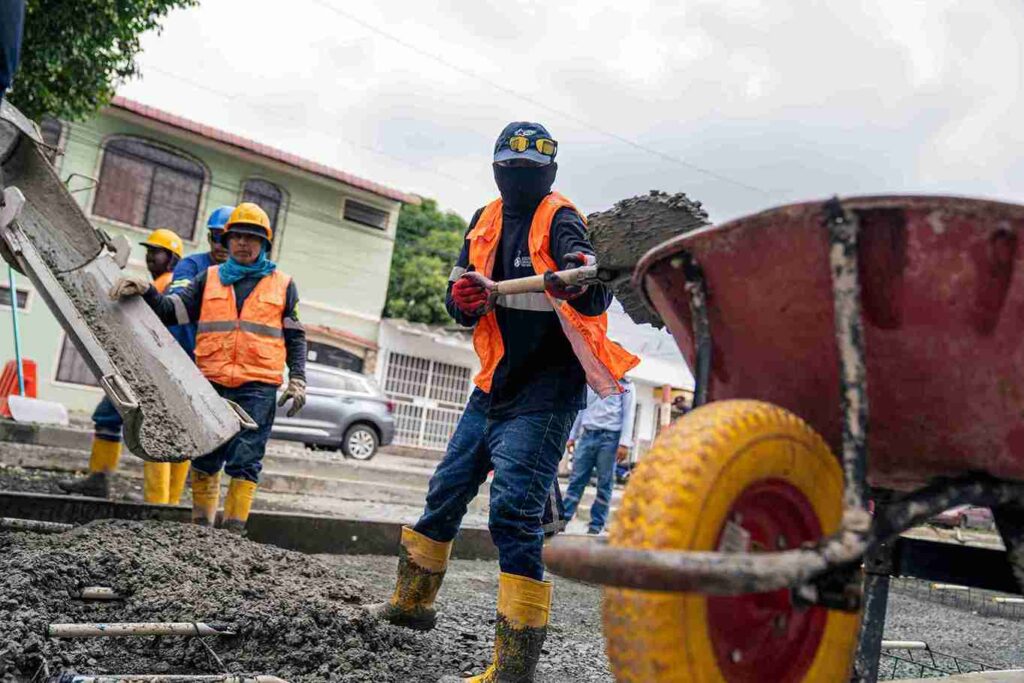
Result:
pixel 942 298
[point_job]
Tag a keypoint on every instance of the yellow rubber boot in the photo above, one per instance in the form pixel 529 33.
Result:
pixel 205 494
pixel 524 606
pixel 422 562
pixel 105 455
pixel 102 464
pixel 179 473
pixel 237 505
pixel 156 481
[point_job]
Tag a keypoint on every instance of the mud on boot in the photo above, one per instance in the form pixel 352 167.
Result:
pixel 95 485
pixel 422 563
pixel 524 605
pixel 103 460
pixel 234 526
pixel 237 505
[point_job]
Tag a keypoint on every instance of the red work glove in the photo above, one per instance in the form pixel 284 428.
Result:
pixel 554 286
pixel 471 293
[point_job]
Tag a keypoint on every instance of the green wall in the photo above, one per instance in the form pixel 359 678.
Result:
pixel 340 268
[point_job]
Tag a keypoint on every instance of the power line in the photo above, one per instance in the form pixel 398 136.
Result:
pixel 238 98
pixel 538 103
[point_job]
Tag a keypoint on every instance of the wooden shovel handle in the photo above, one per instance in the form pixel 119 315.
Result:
pixel 535 283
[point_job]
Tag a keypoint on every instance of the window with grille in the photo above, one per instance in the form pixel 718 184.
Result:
pixel 5 297
pixel 148 186
pixel 51 129
pixel 429 397
pixel 71 367
pixel 364 214
pixel 266 195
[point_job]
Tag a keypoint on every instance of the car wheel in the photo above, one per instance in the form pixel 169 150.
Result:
pixel 360 442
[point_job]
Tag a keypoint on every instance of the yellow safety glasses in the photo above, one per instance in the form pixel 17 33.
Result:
pixel 521 143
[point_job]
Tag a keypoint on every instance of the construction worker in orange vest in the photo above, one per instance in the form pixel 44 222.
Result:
pixel 538 353
pixel 163 482
pixel 248 330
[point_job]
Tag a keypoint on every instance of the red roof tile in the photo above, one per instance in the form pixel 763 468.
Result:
pixel 259 148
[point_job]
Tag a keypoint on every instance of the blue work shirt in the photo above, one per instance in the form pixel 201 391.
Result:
pixel 186 271
pixel 612 414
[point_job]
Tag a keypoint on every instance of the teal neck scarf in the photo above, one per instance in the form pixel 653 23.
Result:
pixel 231 271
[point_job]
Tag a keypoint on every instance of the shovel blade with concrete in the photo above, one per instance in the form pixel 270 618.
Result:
pixel 170 411
pixel 620 237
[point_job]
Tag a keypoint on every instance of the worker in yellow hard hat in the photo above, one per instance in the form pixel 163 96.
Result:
pixel 162 482
pixel 248 331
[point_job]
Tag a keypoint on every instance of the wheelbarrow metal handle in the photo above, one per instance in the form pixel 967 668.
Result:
pixel 709 573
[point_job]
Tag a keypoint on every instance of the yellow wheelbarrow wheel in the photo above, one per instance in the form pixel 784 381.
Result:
pixel 737 476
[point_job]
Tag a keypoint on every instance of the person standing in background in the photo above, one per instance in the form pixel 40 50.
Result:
pixel 601 436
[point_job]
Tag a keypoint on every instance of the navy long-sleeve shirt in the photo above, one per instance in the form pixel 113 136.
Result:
pixel 183 307
pixel 539 371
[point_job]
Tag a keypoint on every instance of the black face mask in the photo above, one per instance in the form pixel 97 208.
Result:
pixel 522 187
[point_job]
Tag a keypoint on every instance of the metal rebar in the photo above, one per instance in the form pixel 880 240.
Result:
pixel 39 526
pixel 904 645
pixel 99 593
pixel 136 629
pixel 166 678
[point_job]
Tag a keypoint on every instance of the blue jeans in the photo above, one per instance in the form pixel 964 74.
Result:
pixel 242 456
pixel 524 451
pixel 12 13
pixel 106 421
pixel 596 448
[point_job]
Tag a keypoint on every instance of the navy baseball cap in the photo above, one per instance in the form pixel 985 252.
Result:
pixel 525 140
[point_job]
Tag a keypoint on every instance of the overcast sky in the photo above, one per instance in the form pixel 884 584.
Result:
pixel 779 101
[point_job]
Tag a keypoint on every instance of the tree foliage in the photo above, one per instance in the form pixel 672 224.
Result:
pixel 74 53
pixel 426 247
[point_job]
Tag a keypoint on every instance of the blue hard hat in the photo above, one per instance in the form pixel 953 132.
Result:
pixel 219 218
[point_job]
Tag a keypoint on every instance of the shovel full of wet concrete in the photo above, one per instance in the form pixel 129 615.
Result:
pixel 620 237
pixel 170 411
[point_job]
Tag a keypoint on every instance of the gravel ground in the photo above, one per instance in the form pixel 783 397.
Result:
pixel 296 616
pixel 993 641
pixel 462 641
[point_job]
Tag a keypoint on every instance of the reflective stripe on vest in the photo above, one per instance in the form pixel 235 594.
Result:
pixel 603 361
pixel 233 349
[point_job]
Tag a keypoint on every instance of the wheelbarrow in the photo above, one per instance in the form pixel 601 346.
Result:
pixel 858 369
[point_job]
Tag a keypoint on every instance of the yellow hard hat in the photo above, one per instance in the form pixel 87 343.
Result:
pixel 249 218
pixel 166 239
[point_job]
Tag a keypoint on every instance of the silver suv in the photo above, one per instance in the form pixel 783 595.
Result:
pixel 343 410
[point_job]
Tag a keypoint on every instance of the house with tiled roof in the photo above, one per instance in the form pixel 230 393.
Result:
pixel 134 168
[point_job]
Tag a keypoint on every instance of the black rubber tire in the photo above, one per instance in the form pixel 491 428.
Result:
pixel 357 445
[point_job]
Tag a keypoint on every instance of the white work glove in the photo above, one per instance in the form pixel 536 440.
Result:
pixel 296 391
pixel 132 285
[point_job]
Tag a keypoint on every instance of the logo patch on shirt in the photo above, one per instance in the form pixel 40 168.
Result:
pixel 522 261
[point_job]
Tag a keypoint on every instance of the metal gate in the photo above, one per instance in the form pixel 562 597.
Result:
pixel 429 397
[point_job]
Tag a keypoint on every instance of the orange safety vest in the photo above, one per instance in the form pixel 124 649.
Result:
pixel 603 361
pixel 163 282
pixel 231 349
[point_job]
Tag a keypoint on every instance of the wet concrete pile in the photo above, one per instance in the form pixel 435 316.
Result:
pixel 624 233
pixel 295 616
